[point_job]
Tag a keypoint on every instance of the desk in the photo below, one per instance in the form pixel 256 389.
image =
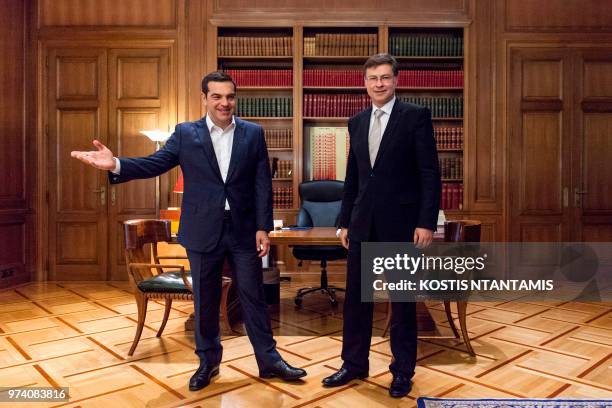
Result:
pixel 313 236
pixel 327 236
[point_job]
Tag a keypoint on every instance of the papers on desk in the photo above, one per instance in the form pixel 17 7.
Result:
pixel 441 221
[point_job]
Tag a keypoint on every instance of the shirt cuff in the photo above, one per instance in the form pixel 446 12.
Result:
pixel 117 168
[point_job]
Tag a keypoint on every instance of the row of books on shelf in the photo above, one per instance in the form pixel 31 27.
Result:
pixel 340 44
pixel 264 106
pixel 281 168
pixel 230 46
pixel 335 105
pixel 440 107
pixel 282 197
pixel 430 79
pixel 328 149
pixel 407 78
pixel 426 45
pixel 449 137
pixel 261 77
pixel 451 167
pixel 346 105
pixel 452 196
pixel 279 138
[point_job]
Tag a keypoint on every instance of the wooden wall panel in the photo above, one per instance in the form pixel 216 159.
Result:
pixel 597 154
pixel 138 78
pixel 145 13
pixel 12 251
pixel 483 154
pixel 77 78
pixel 327 6
pixel 542 79
pixel 597 80
pixel 139 195
pixel 78 244
pixel 597 233
pixel 558 15
pixel 334 11
pixel 541 133
pixel 534 232
pixel 15 265
pixel 12 187
pixel 75 182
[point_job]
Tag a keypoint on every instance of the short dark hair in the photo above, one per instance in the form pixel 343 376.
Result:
pixel 381 59
pixel 216 76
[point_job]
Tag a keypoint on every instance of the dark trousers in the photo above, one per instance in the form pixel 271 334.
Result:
pixel 206 270
pixel 357 328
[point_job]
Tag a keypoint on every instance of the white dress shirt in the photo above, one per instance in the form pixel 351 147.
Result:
pixel 222 140
pixel 384 119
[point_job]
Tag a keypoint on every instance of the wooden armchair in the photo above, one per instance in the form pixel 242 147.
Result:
pixel 454 231
pixel 461 231
pixel 150 281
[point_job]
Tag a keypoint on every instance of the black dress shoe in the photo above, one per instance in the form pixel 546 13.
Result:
pixel 201 378
pixel 400 386
pixel 341 377
pixel 282 370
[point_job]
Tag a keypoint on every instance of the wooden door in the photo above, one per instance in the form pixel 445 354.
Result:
pixel 138 100
pixel 77 112
pixel 111 95
pixel 592 192
pixel 540 139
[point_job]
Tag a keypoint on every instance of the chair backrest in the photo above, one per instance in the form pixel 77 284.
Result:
pixel 462 231
pixel 321 202
pixel 138 233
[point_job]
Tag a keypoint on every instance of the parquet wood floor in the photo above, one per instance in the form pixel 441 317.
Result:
pixel 77 334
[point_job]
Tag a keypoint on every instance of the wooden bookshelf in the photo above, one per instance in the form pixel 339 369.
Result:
pixel 326 62
pixel 262 64
pixel 431 73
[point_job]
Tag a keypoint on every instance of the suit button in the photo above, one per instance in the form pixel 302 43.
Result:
pixel 372 174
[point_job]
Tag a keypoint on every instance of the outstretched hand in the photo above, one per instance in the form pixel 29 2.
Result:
pixel 101 159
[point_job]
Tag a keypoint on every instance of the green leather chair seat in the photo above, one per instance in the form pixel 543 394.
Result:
pixel 165 282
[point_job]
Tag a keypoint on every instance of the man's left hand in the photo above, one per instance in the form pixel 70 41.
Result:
pixel 422 237
pixel 263 243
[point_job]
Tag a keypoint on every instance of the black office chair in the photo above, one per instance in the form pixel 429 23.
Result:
pixel 321 202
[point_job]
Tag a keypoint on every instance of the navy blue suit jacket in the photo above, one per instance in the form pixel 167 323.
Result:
pixel 248 186
pixel 403 189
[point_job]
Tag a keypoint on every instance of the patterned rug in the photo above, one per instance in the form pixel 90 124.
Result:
pixel 425 402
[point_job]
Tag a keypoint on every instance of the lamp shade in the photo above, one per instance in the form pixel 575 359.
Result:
pixel 156 135
pixel 178 187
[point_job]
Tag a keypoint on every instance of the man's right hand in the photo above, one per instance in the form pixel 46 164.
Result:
pixel 101 159
pixel 344 237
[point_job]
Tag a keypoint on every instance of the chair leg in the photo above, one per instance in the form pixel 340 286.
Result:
pixel 165 319
pixel 388 320
pixel 224 316
pixel 449 316
pixel 141 304
pixel 462 308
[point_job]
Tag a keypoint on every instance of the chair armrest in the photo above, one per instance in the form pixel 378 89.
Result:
pixel 153 265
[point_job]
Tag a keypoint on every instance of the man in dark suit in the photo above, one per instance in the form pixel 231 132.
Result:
pixel 226 212
pixel 391 194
